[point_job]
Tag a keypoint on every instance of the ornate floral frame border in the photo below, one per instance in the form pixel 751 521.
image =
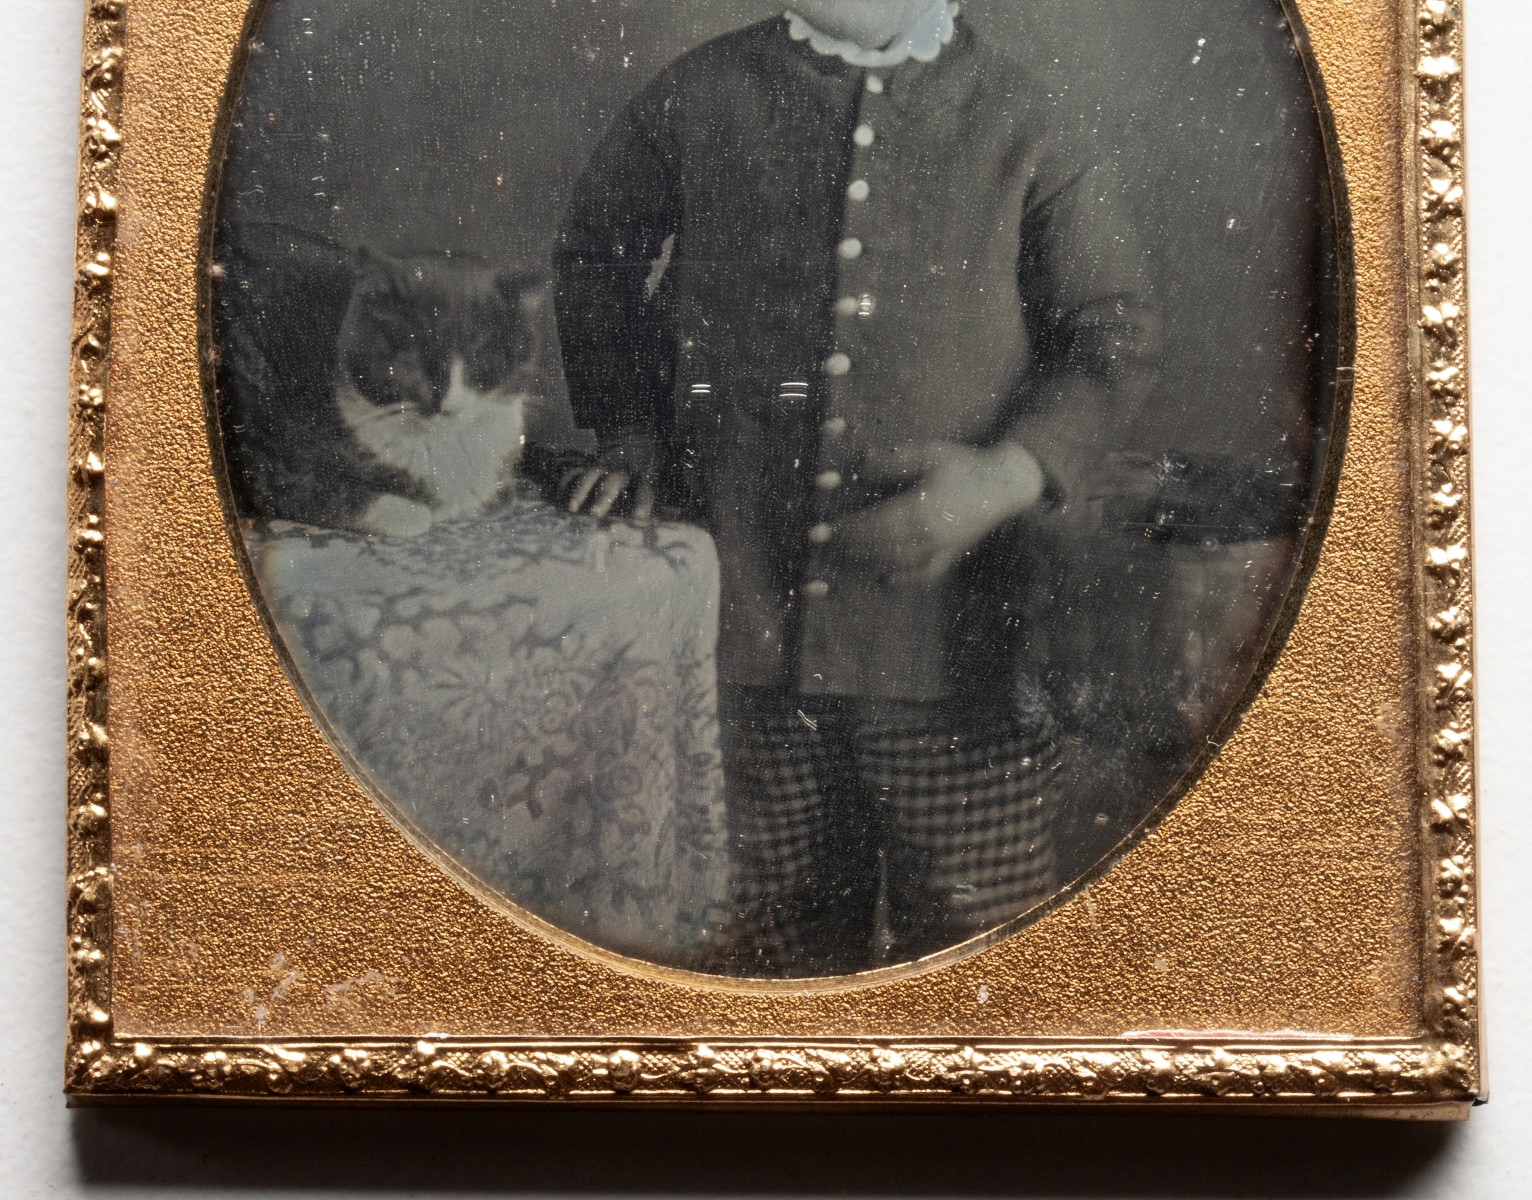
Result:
pixel 1437 1075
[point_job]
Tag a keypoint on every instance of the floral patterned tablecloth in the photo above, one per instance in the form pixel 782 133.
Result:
pixel 536 694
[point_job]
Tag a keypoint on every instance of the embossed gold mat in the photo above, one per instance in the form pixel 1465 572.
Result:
pixel 1299 926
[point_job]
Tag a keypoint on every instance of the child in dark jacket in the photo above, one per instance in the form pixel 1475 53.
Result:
pixel 837 282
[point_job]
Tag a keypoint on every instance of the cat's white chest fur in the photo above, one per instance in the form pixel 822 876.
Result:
pixel 461 456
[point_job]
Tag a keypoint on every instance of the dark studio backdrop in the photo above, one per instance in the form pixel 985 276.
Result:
pixel 424 125
pixel 409 125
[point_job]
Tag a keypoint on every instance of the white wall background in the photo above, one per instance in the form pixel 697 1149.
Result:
pixel 46 1151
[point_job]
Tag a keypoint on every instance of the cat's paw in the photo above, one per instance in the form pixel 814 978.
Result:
pixel 396 516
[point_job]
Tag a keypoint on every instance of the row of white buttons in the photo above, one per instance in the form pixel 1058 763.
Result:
pixel 852 248
pixel 839 363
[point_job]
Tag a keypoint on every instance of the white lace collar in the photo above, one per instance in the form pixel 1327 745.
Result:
pixel 922 41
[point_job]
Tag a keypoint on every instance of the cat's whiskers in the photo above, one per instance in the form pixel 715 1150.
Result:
pixel 461 453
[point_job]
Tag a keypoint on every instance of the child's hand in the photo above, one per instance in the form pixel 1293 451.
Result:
pixel 622 477
pixel 958 496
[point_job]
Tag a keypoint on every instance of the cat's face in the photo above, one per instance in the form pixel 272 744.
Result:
pixel 420 331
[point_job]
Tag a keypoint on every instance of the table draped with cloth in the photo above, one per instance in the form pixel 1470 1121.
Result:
pixel 534 693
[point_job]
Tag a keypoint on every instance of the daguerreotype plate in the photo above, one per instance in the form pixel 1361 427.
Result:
pixel 888 550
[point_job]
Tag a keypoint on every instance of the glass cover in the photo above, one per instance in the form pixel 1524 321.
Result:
pixel 777 494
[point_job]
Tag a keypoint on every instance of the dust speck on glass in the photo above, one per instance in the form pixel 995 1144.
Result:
pixel 776 493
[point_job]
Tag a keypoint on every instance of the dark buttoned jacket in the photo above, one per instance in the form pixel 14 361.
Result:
pixel 781 263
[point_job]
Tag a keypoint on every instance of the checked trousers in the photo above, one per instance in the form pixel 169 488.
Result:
pixel 867 834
